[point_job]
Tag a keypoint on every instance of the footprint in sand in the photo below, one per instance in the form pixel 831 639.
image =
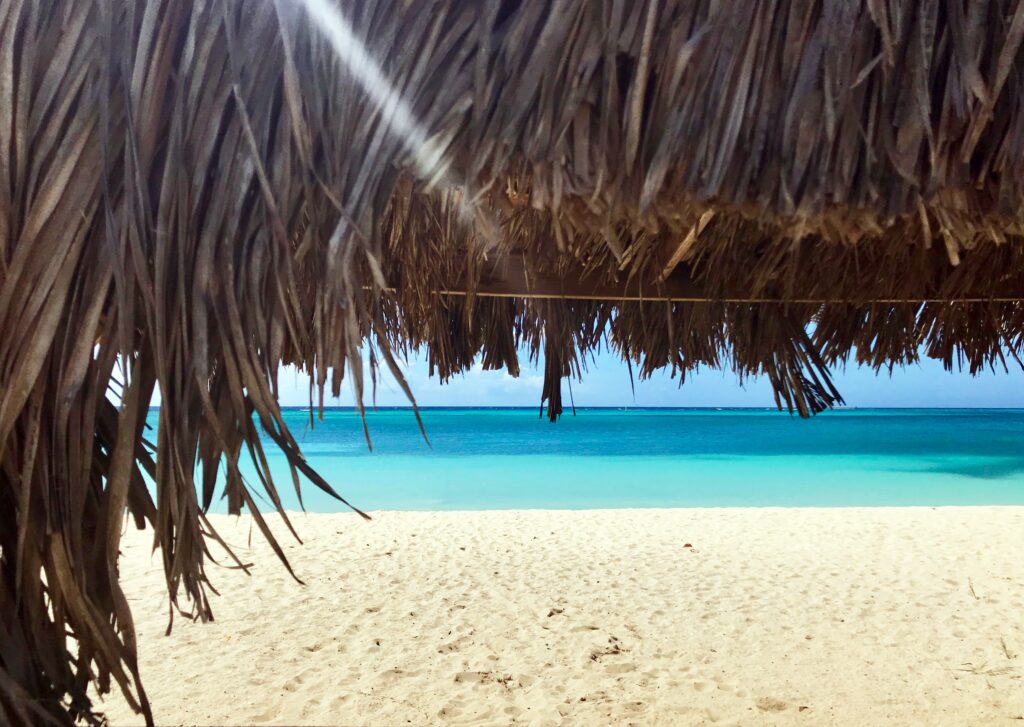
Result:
pixel 450 710
pixel 449 647
pixel 397 673
pixel 768 704
pixel 267 716
pixel 339 700
pixel 472 676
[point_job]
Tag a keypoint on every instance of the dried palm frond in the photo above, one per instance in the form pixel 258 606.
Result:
pixel 195 193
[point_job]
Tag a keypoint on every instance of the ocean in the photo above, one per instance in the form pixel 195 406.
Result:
pixel 482 458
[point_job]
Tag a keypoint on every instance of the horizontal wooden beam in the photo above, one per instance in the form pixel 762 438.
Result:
pixel 509 278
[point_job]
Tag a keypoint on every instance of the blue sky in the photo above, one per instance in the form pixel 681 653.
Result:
pixel 607 384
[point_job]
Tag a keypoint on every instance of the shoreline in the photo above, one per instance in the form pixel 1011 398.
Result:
pixel 726 615
pixel 701 508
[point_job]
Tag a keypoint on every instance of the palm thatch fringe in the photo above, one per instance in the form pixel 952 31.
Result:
pixel 193 193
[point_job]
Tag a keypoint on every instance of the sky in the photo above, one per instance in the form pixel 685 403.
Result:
pixel 606 383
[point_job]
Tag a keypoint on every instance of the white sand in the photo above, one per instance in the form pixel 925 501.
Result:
pixel 774 616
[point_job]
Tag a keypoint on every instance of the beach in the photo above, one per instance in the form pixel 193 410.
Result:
pixel 816 616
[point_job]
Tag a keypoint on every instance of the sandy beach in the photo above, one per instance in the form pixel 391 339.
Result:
pixel 688 616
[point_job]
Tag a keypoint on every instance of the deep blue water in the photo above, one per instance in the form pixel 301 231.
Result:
pixel 511 458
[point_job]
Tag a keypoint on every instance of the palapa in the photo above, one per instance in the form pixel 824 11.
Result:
pixel 195 193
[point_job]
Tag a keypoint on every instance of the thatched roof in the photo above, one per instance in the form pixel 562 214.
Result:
pixel 192 193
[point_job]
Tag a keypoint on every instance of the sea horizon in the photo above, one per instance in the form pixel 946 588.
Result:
pixel 569 410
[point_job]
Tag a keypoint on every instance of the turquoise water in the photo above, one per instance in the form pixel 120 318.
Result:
pixel 511 458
